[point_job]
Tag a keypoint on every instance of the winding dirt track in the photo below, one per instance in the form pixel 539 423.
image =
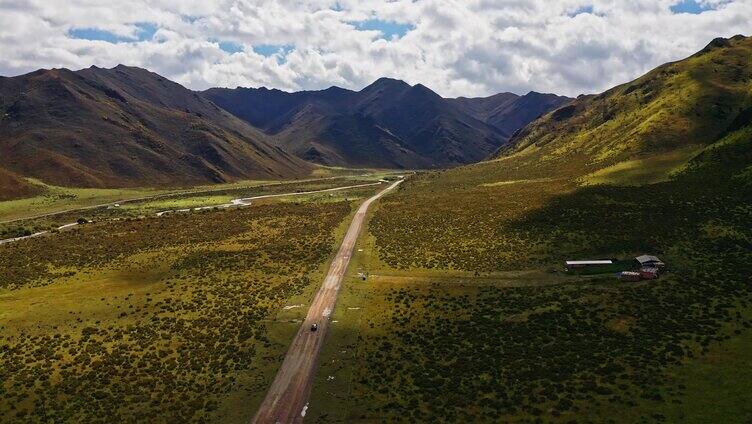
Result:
pixel 287 398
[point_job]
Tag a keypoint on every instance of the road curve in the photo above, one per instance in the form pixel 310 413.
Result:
pixel 287 398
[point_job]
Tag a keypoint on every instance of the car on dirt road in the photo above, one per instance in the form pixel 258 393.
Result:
pixel 314 327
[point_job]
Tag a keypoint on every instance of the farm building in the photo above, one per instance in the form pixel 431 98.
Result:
pixel 648 273
pixel 587 264
pixel 630 276
pixel 649 261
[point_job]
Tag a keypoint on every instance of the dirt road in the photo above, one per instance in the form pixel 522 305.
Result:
pixel 286 400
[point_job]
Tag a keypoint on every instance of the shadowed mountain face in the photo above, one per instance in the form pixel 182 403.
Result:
pixel 387 124
pixel 510 112
pixel 127 127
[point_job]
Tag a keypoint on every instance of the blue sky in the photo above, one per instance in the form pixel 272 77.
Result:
pixel 691 6
pixel 581 10
pixel 388 29
pixel 230 47
pixel 268 50
pixel 144 31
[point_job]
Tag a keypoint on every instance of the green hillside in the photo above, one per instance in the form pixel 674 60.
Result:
pixel 693 101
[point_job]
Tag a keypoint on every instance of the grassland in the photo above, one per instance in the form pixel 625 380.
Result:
pixel 179 318
pixel 459 351
pixel 466 316
pixel 52 199
pixel 197 197
pixel 647 170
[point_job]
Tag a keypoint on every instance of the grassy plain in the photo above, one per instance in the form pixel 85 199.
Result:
pixel 466 317
pixel 197 197
pixel 56 199
pixel 160 319
pixel 53 199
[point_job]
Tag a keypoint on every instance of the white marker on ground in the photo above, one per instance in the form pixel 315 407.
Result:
pixel 287 308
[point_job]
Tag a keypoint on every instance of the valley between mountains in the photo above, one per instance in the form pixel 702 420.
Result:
pixel 402 257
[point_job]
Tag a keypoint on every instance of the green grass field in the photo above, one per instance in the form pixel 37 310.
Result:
pixel 54 199
pixel 197 197
pixel 465 314
pixel 652 169
pixel 57 199
pixel 467 352
pixel 466 317
pixel 160 319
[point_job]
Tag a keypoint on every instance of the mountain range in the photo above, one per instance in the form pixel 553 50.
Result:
pixel 388 124
pixel 126 126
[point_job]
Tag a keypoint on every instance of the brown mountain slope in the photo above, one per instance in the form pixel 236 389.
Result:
pixel 13 187
pixel 127 127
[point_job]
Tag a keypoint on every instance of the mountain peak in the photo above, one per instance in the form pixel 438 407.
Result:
pixel 385 82
pixel 721 42
pixel 421 89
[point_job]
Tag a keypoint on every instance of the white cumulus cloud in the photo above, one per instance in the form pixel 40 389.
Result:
pixel 456 47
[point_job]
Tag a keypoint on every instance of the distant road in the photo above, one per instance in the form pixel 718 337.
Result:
pixel 235 202
pixel 286 400
pixel 172 194
pixel 245 201
pixel 60 228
